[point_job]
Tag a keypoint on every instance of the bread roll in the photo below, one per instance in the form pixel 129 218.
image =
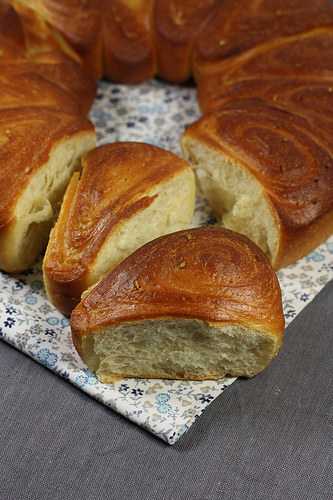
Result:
pixel 197 304
pixel 129 53
pixel 177 24
pixel 239 26
pixel 67 24
pixel 299 60
pixel 128 194
pixel 304 95
pixel 28 89
pixel 54 67
pixel 39 150
pixel 267 173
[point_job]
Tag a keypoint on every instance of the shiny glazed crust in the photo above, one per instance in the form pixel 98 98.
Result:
pixel 129 52
pixel 210 274
pixel 28 89
pixel 79 23
pixel 177 24
pixel 297 178
pixel 61 72
pixel 239 26
pixel 114 187
pixel 301 60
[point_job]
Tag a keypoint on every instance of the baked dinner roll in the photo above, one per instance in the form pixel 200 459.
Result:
pixel 39 150
pixel 197 304
pixel 128 194
pixel 177 24
pixel 267 173
pixel 129 53
pixel 239 26
pixel 305 58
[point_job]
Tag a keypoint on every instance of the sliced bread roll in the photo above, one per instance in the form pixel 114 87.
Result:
pixel 267 173
pixel 128 194
pixel 197 304
pixel 39 150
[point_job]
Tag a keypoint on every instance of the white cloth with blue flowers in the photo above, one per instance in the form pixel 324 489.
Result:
pixel 155 113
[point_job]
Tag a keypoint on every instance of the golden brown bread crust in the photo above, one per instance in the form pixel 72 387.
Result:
pixel 136 36
pixel 304 96
pixel 290 155
pixel 77 21
pixel 177 24
pixel 208 273
pixel 112 188
pixel 29 89
pixel 26 138
pixel 238 26
pixel 12 42
pixel 129 53
pixel 302 59
pixel 58 70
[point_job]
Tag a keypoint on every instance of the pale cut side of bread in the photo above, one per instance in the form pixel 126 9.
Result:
pixel 235 195
pixel 171 210
pixel 38 200
pixel 178 349
pixel 197 304
pixel 267 172
pixel 128 194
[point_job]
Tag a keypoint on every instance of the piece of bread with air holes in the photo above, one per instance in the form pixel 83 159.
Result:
pixel 198 304
pixel 128 194
pixel 39 150
pixel 267 172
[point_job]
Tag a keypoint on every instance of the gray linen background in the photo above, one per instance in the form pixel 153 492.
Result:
pixel 268 438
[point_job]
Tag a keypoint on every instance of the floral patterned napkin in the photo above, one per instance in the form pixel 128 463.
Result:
pixel 155 113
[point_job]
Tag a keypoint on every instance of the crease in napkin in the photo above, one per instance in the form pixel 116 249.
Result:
pixel 155 113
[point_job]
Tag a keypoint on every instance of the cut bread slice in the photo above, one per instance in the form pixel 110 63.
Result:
pixel 267 173
pixel 197 304
pixel 128 194
pixel 39 150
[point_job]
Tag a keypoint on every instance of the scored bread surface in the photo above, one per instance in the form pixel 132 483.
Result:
pixel 128 194
pixel 206 291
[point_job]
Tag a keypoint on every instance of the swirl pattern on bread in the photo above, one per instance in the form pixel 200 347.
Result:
pixel 213 284
pixel 128 194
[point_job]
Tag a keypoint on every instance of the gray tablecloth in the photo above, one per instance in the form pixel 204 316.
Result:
pixel 267 438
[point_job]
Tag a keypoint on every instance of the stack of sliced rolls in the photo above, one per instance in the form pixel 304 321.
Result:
pixel 149 295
